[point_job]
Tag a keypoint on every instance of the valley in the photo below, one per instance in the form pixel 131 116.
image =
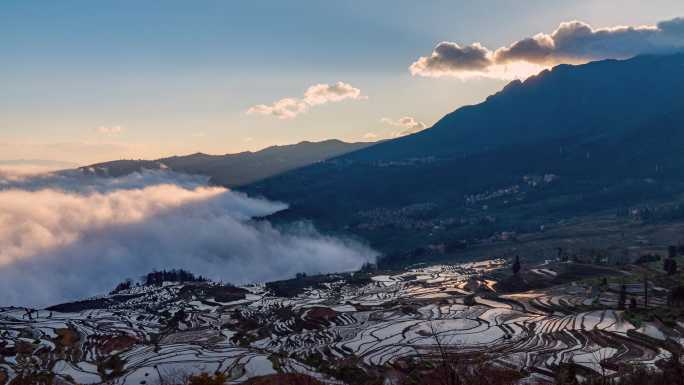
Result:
pixel 589 195
pixel 342 193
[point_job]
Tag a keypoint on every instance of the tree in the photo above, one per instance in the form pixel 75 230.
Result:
pixel 623 297
pixel 157 278
pixel 645 292
pixel 205 379
pixel 516 265
pixel 670 266
pixel 566 374
pixel 125 285
pixel 676 297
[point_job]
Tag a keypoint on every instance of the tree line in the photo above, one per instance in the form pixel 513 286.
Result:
pixel 157 278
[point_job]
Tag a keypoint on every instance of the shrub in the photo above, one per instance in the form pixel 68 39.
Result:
pixel 206 379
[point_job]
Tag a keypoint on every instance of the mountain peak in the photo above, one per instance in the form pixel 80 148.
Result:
pixel 568 100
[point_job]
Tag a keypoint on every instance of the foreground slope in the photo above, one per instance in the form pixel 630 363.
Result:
pixel 605 137
pixel 361 328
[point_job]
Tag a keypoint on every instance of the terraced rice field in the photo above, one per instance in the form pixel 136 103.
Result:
pixel 146 334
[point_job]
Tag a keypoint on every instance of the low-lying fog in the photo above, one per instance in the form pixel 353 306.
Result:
pixel 65 236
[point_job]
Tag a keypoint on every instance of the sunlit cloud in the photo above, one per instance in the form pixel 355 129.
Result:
pixel 324 93
pixel 573 42
pixel 110 130
pixel 407 124
pixel 318 94
pixel 403 126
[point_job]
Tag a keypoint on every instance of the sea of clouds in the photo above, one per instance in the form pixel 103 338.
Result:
pixel 67 235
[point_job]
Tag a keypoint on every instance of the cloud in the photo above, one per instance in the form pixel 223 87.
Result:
pixel 318 94
pixel 65 236
pixel 536 49
pixel 408 124
pixel 572 42
pixel 287 108
pixel 450 57
pixel 111 130
pixel 370 135
pixel 87 182
pixel 324 93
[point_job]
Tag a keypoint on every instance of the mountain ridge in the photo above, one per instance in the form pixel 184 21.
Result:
pixel 460 128
pixel 236 169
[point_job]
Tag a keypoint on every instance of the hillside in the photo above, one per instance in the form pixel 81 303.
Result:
pixel 598 99
pixel 237 169
pixel 357 328
pixel 576 141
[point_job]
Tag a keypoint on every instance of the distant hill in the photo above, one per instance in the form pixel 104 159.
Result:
pixel 603 137
pixel 237 169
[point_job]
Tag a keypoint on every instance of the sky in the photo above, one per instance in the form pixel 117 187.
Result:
pixel 88 81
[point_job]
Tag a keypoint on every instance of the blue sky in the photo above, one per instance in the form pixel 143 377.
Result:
pixel 87 81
